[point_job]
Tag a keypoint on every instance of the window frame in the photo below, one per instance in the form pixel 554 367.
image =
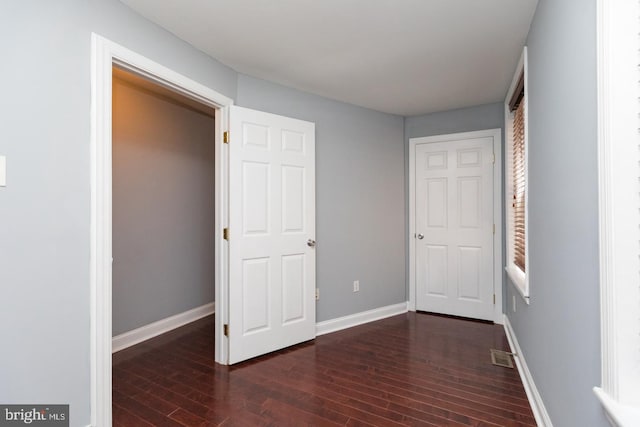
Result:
pixel 519 278
pixel 618 174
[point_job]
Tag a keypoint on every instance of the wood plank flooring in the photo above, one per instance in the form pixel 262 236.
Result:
pixel 414 369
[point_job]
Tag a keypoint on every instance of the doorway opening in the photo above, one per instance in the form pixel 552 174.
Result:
pixel 105 56
pixel 163 209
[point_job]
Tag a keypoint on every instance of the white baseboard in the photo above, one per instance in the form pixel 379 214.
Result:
pixel 352 320
pixel 535 400
pixel 154 329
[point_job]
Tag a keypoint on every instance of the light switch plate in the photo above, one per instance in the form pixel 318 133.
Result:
pixel 3 171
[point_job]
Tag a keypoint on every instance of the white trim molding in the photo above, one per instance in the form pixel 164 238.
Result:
pixel 104 55
pixel 617 414
pixel 146 332
pixel 619 201
pixel 535 400
pixel 518 277
pixel 496 134
pixel 361 318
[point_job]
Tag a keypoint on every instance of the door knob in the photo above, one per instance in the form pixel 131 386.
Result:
pixel 311 243
pixel 420 236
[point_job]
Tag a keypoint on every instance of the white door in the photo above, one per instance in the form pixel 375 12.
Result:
pixel 454 227
pixel 271 233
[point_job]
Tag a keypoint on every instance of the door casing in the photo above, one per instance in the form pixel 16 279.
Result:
pixel 104 55
pixel 496 134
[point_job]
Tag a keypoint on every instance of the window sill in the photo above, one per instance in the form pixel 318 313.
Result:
pixel 619 415
pixel 519 280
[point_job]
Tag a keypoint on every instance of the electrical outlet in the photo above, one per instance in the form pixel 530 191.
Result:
pixel 514 303
pixel 317 294
pixel 356 286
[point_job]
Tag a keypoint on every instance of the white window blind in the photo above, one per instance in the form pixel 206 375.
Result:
pixel 518 182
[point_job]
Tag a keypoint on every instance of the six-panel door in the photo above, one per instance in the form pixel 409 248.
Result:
pixel 454 227
pixel 272 218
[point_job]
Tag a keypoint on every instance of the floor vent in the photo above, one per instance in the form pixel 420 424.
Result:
pixel 501 358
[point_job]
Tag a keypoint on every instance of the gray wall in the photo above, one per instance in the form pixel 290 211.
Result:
pixel 560 331
pixel 44 210
pixel 163 207
pixel 488 116
pixel 359 196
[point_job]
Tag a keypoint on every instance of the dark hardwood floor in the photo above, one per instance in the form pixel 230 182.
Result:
pixel 413 369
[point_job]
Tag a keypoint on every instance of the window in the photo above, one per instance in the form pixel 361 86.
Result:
pixel 517 177
pixel 516 172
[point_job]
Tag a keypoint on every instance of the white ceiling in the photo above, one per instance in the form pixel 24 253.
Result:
pixel 404 57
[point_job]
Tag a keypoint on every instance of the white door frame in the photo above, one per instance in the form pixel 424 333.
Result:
pixel 105 54
pixel 497 210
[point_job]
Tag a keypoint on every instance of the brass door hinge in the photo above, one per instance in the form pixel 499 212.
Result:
pixel 226 330
pixel 225 137
pixel 225 234
pixel 494 300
